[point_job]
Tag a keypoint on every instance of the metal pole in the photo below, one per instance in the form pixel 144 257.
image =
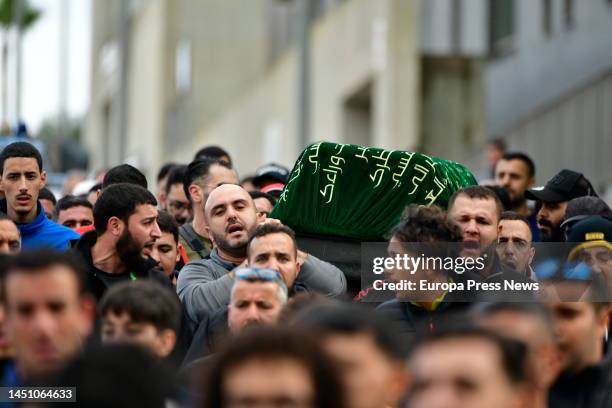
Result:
pixel 122 101
pixel 63 65
pixel 18 19
pixel 304 17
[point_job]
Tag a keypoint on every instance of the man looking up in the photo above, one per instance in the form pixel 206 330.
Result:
pixel 125 218
pixel 516 173
pixel 204 286
pixel 21 179
pixel 554 196
pixel 201 177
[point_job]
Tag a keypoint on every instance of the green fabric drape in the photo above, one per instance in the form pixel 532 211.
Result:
pixel 358 192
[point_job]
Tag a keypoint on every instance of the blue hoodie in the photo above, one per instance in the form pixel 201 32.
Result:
pixel 42 232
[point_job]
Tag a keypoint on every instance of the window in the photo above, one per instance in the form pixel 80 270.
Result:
pixel 501 27
pixel 547 17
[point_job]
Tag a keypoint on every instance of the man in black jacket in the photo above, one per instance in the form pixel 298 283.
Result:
pixel 125 218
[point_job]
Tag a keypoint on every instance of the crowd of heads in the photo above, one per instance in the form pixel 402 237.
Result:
pixel 196 295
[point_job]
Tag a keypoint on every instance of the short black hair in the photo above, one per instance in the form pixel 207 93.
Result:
pixel 198 170
pixel 20 149
pixel 273 344
pixel 268 228
pixel 167 223
pixel 120 200
pixel 46 194
pixel 124 173
pixel 480 192
pixel 425 224
pixel 144 301
pixel 164 170
pixel 261 194
pixel 514 216
pixel 513 353
pixel 352 319
pixel 534 309
pixel 40 260
pixel 94 372
pixel 499 143
pixel 176 175
pixel 531 169
pixel 212 152
pixel 70 201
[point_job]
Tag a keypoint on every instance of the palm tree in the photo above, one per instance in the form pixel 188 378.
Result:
pixel 13 14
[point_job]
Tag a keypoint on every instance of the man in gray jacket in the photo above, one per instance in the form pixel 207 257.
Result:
pixel 204 286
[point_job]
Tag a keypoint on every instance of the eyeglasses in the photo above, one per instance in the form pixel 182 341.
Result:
pixel 258 274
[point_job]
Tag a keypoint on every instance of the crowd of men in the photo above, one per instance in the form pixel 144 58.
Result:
pixel 195 296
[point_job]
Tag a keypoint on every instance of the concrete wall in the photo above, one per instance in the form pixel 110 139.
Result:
pixel 543 68
pixel 357 43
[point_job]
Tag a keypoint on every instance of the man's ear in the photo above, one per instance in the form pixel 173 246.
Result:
pixel 179 251
pixel 88 306
pixel 43 178
pixel 115 226
pixel 195 193
pixel 261 217
pixel 167 339
pixel 531 182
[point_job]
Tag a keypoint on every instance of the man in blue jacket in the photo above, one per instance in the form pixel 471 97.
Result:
pixel 21 179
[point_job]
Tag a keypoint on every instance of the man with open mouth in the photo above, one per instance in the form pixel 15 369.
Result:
pixel 204 286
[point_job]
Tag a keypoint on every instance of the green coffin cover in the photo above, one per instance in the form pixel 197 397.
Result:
pixel 360 192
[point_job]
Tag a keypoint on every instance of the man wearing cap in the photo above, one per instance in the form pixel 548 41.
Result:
pixel 593 237
pixel 554 196
pixel 271 178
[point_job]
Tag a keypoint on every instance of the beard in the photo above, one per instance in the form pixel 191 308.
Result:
pixel 129 251
pixel 226 246
pixel 517 201
pixel 551 234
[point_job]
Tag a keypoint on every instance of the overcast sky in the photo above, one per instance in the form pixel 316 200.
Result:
pixel 41 75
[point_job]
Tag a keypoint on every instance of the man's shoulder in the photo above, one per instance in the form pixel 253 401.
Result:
pixel 201 268
pixel 53 234
pixel 53 228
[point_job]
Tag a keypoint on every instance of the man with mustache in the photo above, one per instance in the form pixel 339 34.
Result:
pixel 177 204
pixel 125 218
pixel 22 178
pixel 554 196
pixel 201 177
pixel 515 172
pixel 204 286
pixel 477 211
